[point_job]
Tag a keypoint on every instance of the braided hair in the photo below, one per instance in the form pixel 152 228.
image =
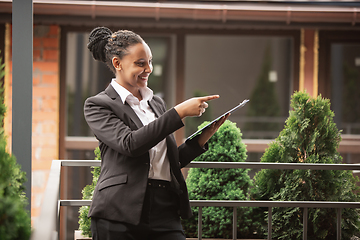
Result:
pixel 104 44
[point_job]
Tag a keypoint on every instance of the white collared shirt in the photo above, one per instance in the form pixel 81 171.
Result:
pixel 159 162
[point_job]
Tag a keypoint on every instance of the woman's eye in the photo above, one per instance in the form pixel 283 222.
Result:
pixel 142 64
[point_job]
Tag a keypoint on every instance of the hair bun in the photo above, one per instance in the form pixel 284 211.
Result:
pixel 97 40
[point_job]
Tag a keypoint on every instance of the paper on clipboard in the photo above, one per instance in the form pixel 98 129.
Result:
pixel 207 125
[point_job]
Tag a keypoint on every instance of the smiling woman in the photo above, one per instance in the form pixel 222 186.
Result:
pixel 141 192
pixel 85 77
pixel 133 69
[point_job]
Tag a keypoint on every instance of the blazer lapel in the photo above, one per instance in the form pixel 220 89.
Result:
pixel 153 105
pixel 125 107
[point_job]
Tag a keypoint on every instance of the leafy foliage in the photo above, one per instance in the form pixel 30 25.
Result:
pixel 14 219
pixel 88 191
pixel 220 184
pixel 309 136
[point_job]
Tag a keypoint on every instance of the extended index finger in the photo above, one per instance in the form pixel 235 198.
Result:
pixel 208 98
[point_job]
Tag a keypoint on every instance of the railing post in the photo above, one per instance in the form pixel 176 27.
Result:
pixel 234 223
pixel 22 88
pixel 46 226
pixel 305 223
pixel 269 223
pixel 58 216
pixel 200 223
pixel 338 224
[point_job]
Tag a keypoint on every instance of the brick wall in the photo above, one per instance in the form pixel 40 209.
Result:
pixel 45 122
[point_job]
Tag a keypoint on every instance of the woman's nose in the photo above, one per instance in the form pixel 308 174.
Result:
pixel 149 68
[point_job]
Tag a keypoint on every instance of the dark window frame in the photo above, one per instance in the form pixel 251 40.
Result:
pixel 326 38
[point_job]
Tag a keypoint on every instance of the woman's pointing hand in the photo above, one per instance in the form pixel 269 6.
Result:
pixel 194 106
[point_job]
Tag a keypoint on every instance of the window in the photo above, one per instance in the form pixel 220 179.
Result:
pixel 345 82
pixel 258 68
pixel 339 81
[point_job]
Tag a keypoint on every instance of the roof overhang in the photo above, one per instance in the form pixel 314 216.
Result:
pixel 226 13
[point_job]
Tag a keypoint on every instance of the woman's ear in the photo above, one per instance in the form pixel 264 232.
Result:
pixel 116 63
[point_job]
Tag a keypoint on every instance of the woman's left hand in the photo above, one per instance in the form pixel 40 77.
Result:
pixel 208 132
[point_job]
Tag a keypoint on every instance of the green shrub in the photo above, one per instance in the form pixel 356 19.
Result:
pixel 309 136
pixel 87 192
pixel 220 184
pixel 15 221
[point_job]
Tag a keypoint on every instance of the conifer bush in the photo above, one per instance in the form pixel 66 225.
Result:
pixel 310 136
pixel 15 221
pixel 220 184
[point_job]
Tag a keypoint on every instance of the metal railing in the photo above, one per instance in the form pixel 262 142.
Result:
pixel 47 225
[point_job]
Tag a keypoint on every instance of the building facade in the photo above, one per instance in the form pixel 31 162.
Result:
pixel 239 50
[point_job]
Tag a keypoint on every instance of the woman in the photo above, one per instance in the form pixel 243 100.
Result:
pixel 141 192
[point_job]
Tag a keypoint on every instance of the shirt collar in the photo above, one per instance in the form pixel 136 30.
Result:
pixel 124 94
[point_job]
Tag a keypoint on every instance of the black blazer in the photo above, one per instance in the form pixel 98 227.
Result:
pixel 124 143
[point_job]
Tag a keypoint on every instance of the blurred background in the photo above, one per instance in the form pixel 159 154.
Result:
pixel 257 50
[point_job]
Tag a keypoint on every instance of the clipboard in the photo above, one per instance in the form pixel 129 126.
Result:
pixel 237 107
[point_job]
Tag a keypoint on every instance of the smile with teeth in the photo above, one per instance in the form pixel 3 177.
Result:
pixel 144 77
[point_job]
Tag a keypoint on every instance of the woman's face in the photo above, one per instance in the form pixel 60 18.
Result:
pixel 134 68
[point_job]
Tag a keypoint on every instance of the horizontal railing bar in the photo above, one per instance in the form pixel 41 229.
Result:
pixel 242 203
pixel 80 163
pixel 257 165
pixel 348 144
pixel 85 143
pixel 262 165
pixel 75 203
